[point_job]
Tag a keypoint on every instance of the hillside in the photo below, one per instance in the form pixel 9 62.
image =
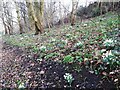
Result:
pixel 86 55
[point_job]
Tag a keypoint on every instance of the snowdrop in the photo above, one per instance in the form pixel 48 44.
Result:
pixel 85 25
pixel 108 42
pixel 65 41
pixel 43 48
pixel 25 36
pixel 107 54
pixel 70 27
pixel 103 50
pixel 21 38
pixel 69 78
pixel 53 40
pixel 21 85
pixel 79 44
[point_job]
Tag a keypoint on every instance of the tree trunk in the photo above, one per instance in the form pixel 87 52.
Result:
pixel 38 26
pixel 5 27
pixel 18 18
pixel 41 15
pixel 30 19
pixel 101 8
pixel 60 14
pixel 74 7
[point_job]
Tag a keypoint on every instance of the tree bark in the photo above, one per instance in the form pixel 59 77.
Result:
pixel 30 18
pixel 5 27
pixel 74 7
pixel 18 18
pixel 37 23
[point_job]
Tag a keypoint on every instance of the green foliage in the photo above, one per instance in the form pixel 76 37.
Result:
pixel 87 55
pixel 43 48
pixel 111 60
pixel 109 42
pixel 103 32
pixel 96 11
pixel 68 35
pixel 112 23
pixel 51 55
pixel 35 49
pixel 68 59
pixel 69 78
pixel 78 45
pixel 21 85
pixel 79 59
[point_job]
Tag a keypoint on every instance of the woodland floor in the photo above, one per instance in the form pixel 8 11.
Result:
pixel 16 66
pixel 23 62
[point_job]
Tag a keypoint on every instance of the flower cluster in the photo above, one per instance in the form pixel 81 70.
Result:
pixel 79 44
pixel 43 48
pixel 68 77
pixel 109 42
pixel 107 54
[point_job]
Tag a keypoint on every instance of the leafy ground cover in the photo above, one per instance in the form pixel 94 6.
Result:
pixel 84 56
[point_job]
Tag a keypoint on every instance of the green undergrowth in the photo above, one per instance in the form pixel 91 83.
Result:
pixel 93 44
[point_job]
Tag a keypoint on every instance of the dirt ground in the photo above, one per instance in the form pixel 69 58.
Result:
pixel 17 66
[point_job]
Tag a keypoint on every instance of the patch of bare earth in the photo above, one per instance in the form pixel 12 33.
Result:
pixel 18 65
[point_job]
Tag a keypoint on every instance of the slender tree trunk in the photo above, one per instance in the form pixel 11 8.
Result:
pixel 73 16
pixel 9 30
pixel 41 15
pixel 60 13
pixel 19 20
pixel 5 27
pixel 30 18
pixel 101 8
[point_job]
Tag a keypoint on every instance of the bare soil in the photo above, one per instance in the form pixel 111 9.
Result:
pixel 19 65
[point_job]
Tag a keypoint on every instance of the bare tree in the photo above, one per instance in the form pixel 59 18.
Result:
pixel 5 26
pixel 7 17
pixel 37 23
pixel 29 15
pixel 19 17
pixel 50 13
pixel 24 17
pixel 73 16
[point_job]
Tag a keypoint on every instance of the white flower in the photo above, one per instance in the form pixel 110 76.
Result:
pixel 108 42
pixel 103 50
pixel 21 85
pixel 21 38
pixel 42 72
pixel 115 80
pixel 68 77
pixel 107 54
pixel 97 22
pixel 53 40
pixel 85 25
pixel 68 35
pixel 116 29
pixel 42 48
pixel 65 41
pixel 70 27
pixel 79 44
pixel 112 73
pixel 25 36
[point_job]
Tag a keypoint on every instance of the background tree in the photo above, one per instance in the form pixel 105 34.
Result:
pixel 38 24
pixel 74 8
pixel 29 15
pixel 19 17
pixel 50 13
pixel 7 17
